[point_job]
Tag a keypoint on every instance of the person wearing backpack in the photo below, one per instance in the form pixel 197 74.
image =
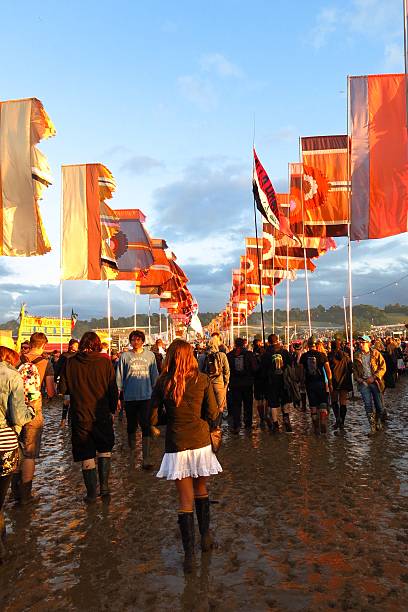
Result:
pixel 274 362
pixel 243 366
pixel 259 383
pixel 14 413
pixel 35 370
pixel 215 365
pixel 317 369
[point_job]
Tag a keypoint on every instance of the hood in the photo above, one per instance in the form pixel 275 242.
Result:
pixel 88 357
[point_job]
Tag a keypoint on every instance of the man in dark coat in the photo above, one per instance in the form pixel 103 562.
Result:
pixel 89 379
pixel 243 365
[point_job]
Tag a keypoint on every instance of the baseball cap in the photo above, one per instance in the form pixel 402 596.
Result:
pixel 365 338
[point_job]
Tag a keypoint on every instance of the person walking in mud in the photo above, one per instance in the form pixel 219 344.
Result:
pixel 243 367
pixel 369 369
pixel 72 349
pixel 14 414
pixel 215 364
pixel 136 375
pixel 259 385
pixel 317 375
pixel 275 361
pixel 36 371
pixel 89 379
pixel 341 368
pixel 189 460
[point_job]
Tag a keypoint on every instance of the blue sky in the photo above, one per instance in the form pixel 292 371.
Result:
pixel 165 94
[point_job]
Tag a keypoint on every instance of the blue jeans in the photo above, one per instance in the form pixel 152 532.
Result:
pixel 371 394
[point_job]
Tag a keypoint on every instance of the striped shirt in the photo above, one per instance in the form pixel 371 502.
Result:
pixel 8 439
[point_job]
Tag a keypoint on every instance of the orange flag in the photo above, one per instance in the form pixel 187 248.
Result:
pixel 379 156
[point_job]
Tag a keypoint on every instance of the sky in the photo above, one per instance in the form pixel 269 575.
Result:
pixel 170 96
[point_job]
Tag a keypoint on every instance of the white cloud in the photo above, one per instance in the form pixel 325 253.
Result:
pixel 370 18
pixel 199 91
pixel 326 23
pixel 220 65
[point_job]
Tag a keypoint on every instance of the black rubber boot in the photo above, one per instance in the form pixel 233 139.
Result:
pixel 2 537
pixel 90 484
pixel 104 466
pixel 186 524
pixel 132 440
pixel 15 493
pixel 261 413
pixel 202 506
pixel 286 423
pixel 26 496
pixel 147 462
pixel 303 400
pixel 378 422
pixel 343 413
pixel 336 412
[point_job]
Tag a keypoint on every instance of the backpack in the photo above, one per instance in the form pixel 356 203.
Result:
pixel 212 365
pixel 31 380
pixel 311 366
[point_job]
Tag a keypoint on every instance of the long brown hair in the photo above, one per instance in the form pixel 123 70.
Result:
pixel 178 365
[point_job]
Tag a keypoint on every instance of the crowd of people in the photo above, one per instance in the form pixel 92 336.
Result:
pixel 191 389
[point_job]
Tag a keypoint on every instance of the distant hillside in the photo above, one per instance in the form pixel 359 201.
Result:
pixel 364 315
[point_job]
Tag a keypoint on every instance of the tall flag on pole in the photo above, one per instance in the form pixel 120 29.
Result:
pixel 132 245
pixel 24 173
pixel 379 156
pixel 89 223
pixel 266 200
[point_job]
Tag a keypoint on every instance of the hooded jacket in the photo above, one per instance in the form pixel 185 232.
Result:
pixel 13 410
pixel 89 380
pixel 377 363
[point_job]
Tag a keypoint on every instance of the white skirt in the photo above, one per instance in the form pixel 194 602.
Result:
pixel 193 463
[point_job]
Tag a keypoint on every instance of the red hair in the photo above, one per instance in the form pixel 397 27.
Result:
pixel 9 356
pixel 178 365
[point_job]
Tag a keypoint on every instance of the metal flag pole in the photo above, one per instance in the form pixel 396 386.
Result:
pixel 150 325
pixel 61 262
pixel 350 276
pixel 239 306
pixel 309 319
pixel 257 244
pixel 287 298
pixel 246 297
pixel 232 325
pixel 167 327
pixel 135 308
pixel 345 318
pixel 160 321
pixel 109 318
pixel 405 2
pixel 273 282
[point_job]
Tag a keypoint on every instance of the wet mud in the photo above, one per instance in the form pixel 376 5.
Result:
pixel 302 523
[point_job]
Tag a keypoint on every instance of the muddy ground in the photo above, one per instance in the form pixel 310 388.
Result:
pixel 302 523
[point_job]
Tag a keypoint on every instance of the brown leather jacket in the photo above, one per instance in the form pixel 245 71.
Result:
pixel 187 424
pixel 377 364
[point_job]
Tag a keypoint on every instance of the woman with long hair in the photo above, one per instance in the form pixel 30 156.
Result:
pixel 14 413
pixel 191 408
pixel 89 379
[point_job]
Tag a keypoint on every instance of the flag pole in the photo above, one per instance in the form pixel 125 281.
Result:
pixel 239 304
pixel 257 245
pixel 345 318
pixel 309 320
pixel 246 297
pixel 61 262
pixel 150 325
pixel 135 308
pixel 406 56
pixel 109 318
pixel 167 327
pixel 350 277
pixel 232 324
pixel 287 297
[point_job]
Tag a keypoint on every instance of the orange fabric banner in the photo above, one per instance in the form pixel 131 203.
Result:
pixel 379 156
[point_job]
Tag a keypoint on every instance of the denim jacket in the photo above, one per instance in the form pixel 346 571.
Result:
pixel 13 410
